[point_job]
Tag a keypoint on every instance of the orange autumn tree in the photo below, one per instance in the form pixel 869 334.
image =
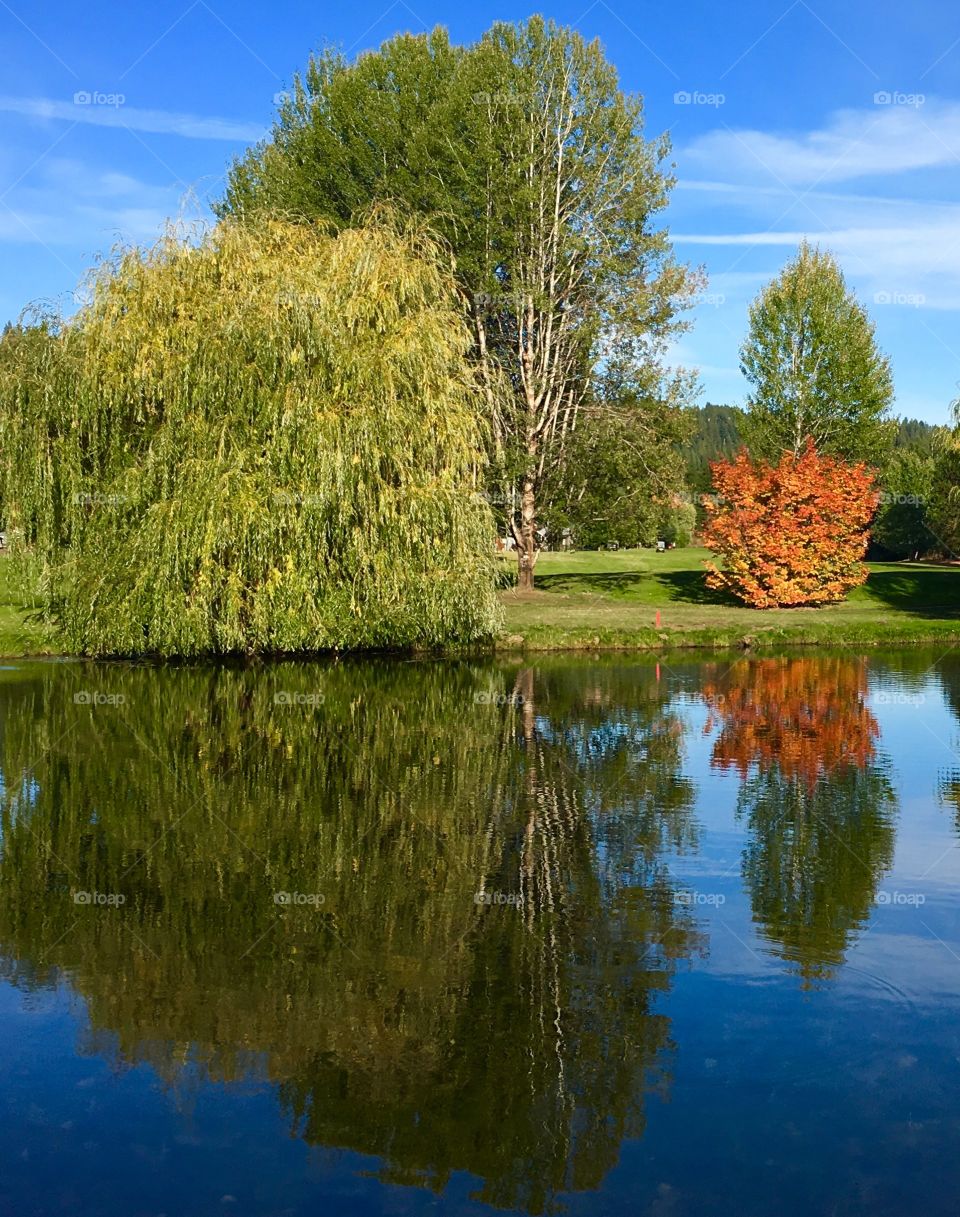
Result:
pixel 789 534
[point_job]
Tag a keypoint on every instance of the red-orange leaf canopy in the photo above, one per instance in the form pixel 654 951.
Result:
pixel 789 534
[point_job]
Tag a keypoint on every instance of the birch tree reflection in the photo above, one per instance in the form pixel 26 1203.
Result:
pixel 427 903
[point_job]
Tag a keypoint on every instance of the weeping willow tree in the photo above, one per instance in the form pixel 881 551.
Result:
pixel 259 441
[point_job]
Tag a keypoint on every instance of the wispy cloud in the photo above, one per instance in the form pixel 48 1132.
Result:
pixel 879 187
pixel 95 109
pixel 769 191
pixel 917 257
pixel 72 205
pixel 881 140
pixel 736 193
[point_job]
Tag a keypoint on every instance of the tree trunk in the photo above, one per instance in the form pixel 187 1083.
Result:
pixel 526 536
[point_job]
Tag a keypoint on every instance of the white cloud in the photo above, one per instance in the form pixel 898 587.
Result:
pixel 117 114
pixel 901 246
pixel 73 204
pixel 921 258
pixel 880 141
pixel 739 193
pixel 870 186
pixel 739 238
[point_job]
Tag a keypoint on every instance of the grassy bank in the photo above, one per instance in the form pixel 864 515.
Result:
pixel 589 600
pixel 586 601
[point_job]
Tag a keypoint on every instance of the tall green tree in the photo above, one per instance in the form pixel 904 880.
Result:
pixel 713 434
pixel 814 366
pixel 914 435
pixel 530 160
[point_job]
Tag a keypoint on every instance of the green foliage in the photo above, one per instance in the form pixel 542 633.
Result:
pixel 678 521
pixel 900 527
pixel 262 442
pixel 944 510
pixel 347 135
pixel 523 152
pixel 917 436
pixel 620 479
pixel 816 372
pixel 714 434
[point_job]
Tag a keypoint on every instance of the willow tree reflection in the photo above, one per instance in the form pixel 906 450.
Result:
pixel 818 804
pixel 396 1014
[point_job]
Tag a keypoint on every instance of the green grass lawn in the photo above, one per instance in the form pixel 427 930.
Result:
pixel 21 630
pixel 591 599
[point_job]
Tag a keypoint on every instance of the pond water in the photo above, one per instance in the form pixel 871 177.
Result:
pixel 594 936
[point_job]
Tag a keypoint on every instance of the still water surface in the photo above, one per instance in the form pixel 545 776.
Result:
pixel 590 936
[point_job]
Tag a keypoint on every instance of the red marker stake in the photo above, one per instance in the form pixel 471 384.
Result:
pixel 658 618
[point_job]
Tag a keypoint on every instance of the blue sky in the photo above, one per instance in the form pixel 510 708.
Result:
pixel 840 123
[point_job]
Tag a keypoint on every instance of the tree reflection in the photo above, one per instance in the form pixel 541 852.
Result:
pixel 399 1013
pixel 818 804
pixel 948 785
